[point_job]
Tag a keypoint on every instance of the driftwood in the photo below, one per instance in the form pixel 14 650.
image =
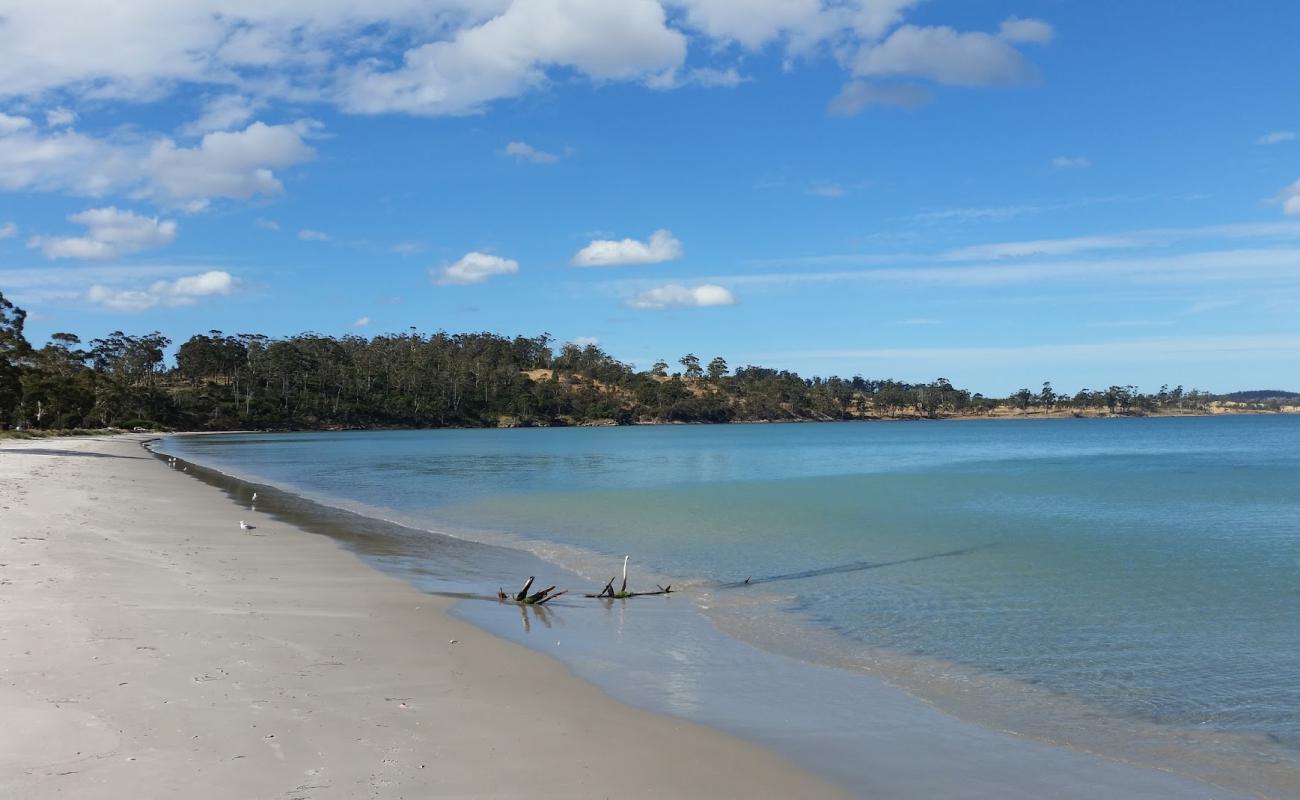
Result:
pixel 535 599
pixel 622 594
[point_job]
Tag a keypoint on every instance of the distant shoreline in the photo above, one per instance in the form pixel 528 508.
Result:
pixel 1217 410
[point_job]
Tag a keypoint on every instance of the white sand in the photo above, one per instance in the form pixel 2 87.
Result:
pixel 149 648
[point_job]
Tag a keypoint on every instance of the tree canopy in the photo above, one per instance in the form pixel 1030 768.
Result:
pixel 221 381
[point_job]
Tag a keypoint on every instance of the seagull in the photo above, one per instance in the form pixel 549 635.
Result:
pixel 244 526
pixel 254 496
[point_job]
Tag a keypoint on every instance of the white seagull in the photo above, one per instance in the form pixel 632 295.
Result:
pixel 244 526
pixel 254 496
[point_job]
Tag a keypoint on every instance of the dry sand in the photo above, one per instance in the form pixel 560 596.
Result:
pixel 149 648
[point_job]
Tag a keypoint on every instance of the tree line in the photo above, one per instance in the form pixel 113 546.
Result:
pixel 219 381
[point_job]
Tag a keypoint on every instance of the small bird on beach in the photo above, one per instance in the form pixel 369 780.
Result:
pixel 254 496
pixel 244 526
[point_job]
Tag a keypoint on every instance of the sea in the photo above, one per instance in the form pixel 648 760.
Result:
pixel 1127 587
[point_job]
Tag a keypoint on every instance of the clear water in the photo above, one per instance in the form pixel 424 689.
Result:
pixel 1135 574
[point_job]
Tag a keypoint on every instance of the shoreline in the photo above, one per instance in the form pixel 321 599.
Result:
pixel 1091 414
pixel 587 643
pixel 152 648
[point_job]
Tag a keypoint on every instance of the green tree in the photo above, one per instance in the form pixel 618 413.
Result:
pixel 14 352
pixel 691 364
pixel 717 368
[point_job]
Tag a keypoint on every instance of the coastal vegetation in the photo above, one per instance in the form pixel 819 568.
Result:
pixel 219 381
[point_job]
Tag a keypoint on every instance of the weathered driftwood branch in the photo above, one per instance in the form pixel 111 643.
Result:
pixel 609 593
pixel 535 599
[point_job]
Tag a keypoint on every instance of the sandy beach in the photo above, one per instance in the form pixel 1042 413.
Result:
pixel 149 648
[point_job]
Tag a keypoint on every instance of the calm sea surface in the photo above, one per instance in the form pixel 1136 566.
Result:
pixel 1129 574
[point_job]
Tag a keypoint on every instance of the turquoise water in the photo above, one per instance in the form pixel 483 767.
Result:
pixel 1126 572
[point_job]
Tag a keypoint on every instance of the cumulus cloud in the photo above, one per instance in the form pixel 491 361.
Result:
pixel 475 267
pixel 8 230
pixel 946 56
pixel 523 151
pixel 858 96
pixel 1276 137
pixel 511 53
pixel 236 164
pixel 180 292
pixel 110 233
pixel 1071 162
pixel 661 246
pixel 675 295
pixel 233 164
pixel 310 235
pixel 433 57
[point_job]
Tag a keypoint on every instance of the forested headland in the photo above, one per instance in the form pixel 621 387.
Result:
pixel 218 381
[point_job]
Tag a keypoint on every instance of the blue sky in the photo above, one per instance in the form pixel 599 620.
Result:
pixel 999 193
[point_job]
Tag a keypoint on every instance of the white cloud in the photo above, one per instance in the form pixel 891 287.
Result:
pixel 1071 162
pixel 8 230
pixel 1049 247
pixel 408 248
pixel 1272 265
pixel 224 164
pixel 964 215
pixel 674 295
pixel 180 292
pixel 11 124
pixel 522 151
pixel 944 55
pixel 223 113
pixel 750 24
pixel 110 233
pixel 858 96
pixel 511 53
pixel 361 322
pixel 584 341
pixel 704 77
pixel 1290 198
pixel 475 267
pixel 267 224
pixel 1027 31
pixel 1276 137
pixel 309 235
pixel 64 161
pixel 60 117
pixel 661 246
pixel 229 164
pixel 433 57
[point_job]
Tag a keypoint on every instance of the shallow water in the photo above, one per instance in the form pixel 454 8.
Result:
pixel 1131 586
